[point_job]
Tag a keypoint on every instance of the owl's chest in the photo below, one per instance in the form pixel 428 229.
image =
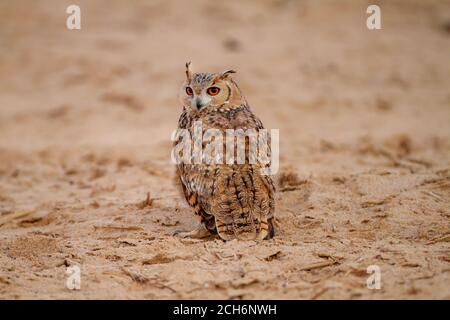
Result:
pixel 219 119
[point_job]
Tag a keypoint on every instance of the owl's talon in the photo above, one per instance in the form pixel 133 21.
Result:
pixel 198 233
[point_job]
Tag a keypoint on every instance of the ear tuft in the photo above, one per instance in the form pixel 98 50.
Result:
pixel 188 71
pixel 226 73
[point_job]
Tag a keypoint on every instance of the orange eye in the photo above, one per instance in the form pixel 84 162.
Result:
pixel 212 91
pixel 189 91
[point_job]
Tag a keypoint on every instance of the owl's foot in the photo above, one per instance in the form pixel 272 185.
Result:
pixel 198 233
pixel 266 232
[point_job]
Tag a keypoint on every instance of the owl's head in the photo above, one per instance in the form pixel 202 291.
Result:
pixel 209 90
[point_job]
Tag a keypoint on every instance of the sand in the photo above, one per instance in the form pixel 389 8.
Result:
pixel 85 123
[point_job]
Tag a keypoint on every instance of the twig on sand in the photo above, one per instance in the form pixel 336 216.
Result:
pixel 144 280
pixel 15 215
pixel 135 276
pixel 445 238
pixel 318 294
pixel 318 265
pixel 432 194
pixel 146 203
pixel 423 162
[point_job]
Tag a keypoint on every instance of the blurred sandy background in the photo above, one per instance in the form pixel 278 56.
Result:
pixel 85 124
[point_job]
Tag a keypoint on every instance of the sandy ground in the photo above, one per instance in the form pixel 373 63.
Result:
pixel 85 124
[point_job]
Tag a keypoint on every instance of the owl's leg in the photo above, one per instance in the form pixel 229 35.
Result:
pixel 198 233
pixel 271 232
pixel 267 230
pixel 223 231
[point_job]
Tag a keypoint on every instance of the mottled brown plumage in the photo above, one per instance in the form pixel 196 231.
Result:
pixel 234 201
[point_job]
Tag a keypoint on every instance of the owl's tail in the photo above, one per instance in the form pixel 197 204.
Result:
pixel 243 207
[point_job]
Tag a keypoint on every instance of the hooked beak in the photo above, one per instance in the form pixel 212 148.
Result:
pixel 199 103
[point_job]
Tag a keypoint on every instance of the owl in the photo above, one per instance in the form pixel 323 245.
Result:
pixel 232 200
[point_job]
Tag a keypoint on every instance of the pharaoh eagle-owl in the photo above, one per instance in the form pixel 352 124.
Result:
pixel 233 201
